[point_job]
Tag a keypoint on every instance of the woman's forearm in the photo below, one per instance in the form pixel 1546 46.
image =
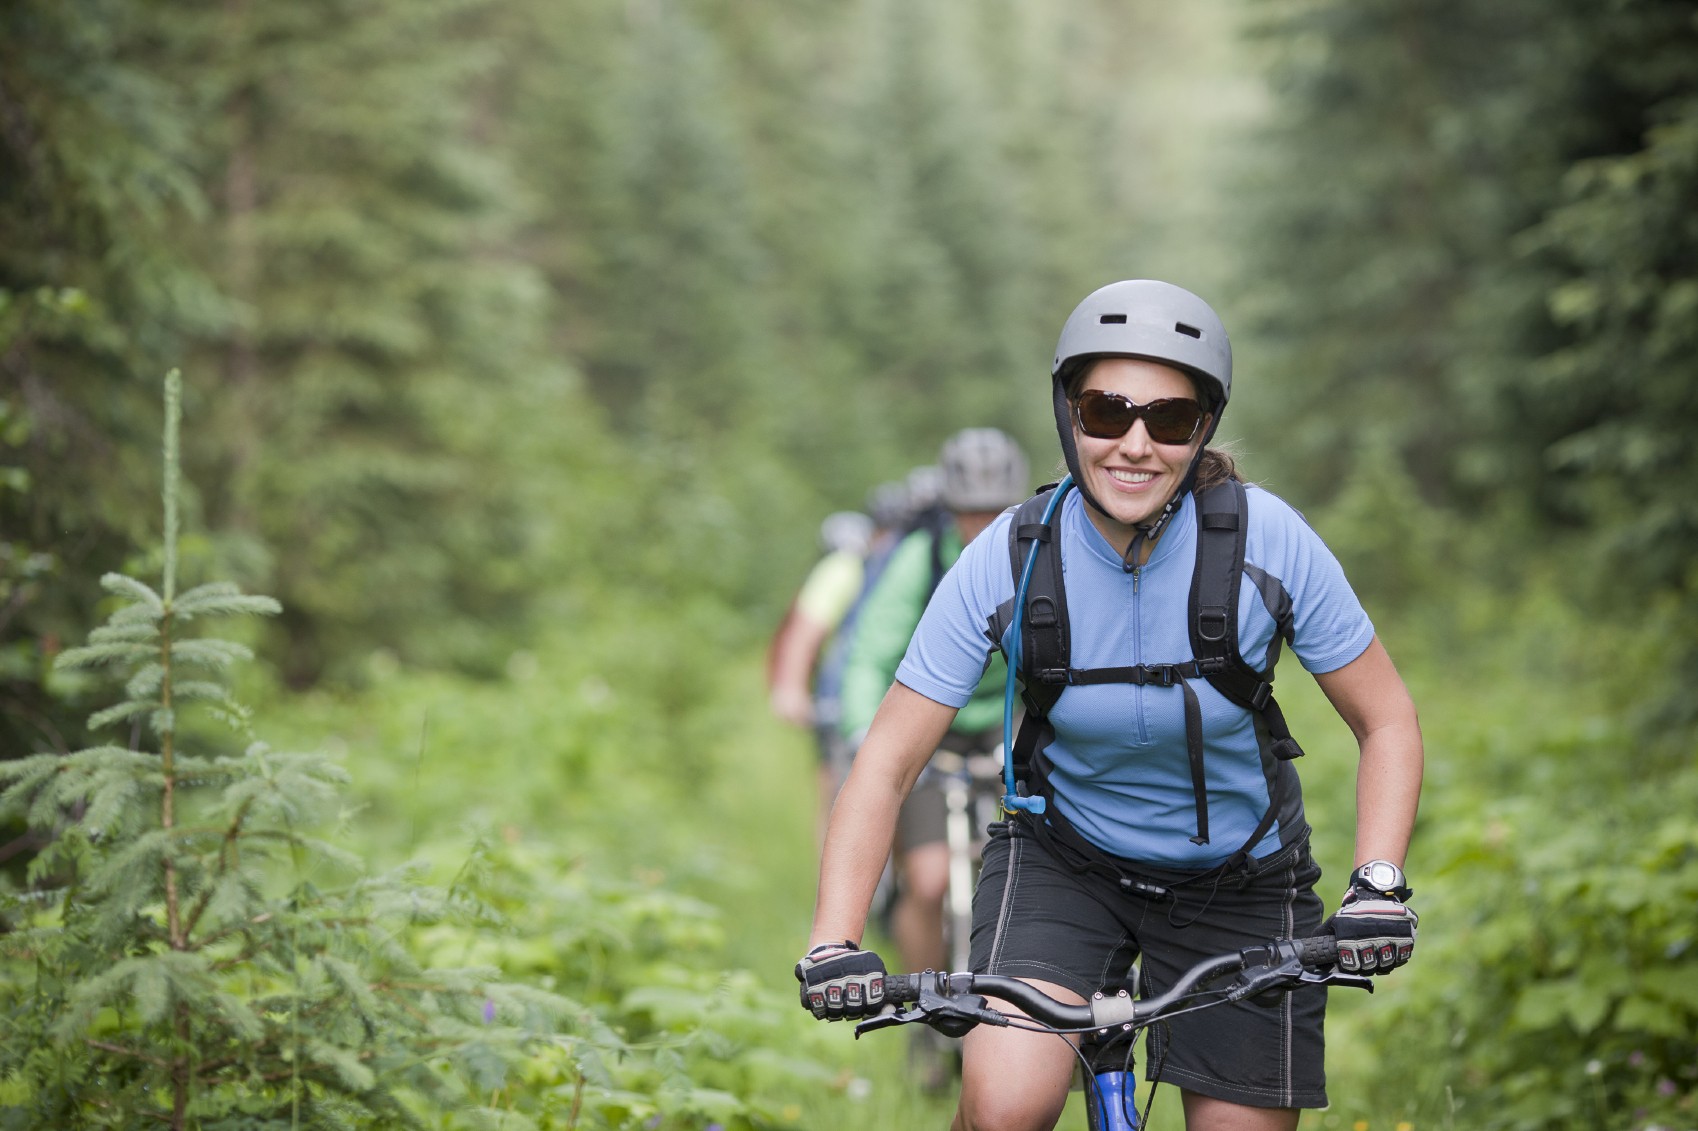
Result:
pixel 1372 700
pixel 1388 790
pixel 903 735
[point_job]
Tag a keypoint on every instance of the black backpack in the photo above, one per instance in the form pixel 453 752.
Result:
pixel 1044 663
pixel 935 521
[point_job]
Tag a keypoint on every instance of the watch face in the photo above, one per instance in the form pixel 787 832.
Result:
pixel 1381 875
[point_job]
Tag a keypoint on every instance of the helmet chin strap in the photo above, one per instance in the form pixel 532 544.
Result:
pixel 1145 532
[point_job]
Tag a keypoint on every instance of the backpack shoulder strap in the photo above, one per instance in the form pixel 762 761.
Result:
pixel 1223 521
pixel 1045 645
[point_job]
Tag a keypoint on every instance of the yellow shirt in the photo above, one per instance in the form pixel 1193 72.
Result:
pixel 831 588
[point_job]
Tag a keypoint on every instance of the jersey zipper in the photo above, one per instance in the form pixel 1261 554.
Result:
pixel 1140 719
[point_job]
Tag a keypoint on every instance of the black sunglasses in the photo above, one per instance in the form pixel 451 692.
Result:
pixel 1109 416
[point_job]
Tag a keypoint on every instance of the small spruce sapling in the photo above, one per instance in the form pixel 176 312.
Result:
pixel 174 963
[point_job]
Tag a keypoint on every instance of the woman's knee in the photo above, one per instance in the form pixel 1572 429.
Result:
pixel 1007 1108
pixel 1205 1113
pixel 1012 1081
pixel 925 871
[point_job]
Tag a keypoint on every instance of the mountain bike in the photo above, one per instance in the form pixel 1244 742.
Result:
pixel 1108 1024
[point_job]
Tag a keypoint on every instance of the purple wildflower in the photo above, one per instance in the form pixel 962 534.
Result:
pixel 488 1011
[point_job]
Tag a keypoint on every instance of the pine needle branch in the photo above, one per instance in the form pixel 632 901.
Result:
pixel 123 1050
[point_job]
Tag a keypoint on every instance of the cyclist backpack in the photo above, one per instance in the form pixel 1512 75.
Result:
pixel 829 682
pixel 1046 671
pixel 935 521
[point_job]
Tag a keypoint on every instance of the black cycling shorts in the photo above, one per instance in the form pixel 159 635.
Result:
pixel 924 816
pixel 1034 916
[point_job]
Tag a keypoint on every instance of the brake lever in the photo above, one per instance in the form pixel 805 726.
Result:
pixel 953 1016
pixel 1337 978
pixel 891 1016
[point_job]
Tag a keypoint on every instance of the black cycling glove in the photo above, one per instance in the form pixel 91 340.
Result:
pixel 1376 933
pixel 839 981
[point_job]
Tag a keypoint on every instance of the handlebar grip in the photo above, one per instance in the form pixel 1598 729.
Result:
pixel 1318 950
pixel 901 988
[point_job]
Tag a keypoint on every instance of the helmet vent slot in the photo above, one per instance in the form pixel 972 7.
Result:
pixel 1113 319
pixel 1188 331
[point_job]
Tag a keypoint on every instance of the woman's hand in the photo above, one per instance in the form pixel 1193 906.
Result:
pixel 1376 933
pixel 841 981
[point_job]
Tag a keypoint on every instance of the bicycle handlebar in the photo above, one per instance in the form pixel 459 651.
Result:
pixel 954 1003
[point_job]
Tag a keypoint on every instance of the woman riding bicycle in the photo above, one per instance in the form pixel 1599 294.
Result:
pixel 1174 826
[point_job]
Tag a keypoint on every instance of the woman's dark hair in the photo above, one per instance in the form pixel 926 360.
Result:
pixel 1217 467
pixel 1217 464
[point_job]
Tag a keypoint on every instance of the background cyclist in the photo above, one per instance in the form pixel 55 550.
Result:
pixel 809 626
pixel 1141 374
pixel 983 471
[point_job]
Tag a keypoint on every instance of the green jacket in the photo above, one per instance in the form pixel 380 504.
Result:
pixel 887 619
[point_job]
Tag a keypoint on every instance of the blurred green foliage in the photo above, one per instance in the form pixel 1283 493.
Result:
pixel 1473 257
pixel 465 284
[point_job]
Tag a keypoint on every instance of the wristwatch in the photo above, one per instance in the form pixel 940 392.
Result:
pixel 1381 877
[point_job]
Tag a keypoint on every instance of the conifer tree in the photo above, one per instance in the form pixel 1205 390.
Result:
pixel 358 227
pixel 191 955
pixel 96 286
pixel 1472 227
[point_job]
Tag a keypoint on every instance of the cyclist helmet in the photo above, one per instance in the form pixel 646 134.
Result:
pixel 1151 320
pixel 1154 321
pixel 849 531
pixel 925 488
pixel 983 470
pixel 888 504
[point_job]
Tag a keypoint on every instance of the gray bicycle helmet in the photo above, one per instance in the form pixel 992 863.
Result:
pixel 925 488
pixel 846 530
pixel 888 504
pixel 1155 321
pixel 983 470
pixel 1151 320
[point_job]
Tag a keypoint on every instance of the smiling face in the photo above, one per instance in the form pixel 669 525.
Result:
pixel 1133 477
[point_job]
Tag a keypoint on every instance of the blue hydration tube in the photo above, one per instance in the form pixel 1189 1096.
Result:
pixel 1011 650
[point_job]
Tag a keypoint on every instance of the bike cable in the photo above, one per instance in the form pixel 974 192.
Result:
pixel 1156 1066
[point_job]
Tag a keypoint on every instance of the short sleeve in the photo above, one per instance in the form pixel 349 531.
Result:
pixel 1329 626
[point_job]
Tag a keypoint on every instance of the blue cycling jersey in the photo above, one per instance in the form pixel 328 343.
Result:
pixel 1121 773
